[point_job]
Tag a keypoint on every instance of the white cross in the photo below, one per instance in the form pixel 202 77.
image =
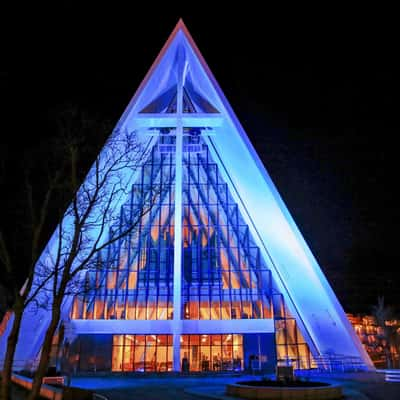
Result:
pixel 177 122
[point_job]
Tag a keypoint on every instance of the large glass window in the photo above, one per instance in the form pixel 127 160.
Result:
pixel 290 344
pixel 212 352
pixel 224 276
pixel 88 353
pixel 133 277
pixel 142 353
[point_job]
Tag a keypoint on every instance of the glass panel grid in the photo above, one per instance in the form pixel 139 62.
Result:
pixel 133 277
pixel 212 352
pixel 142 353
pixel 223 275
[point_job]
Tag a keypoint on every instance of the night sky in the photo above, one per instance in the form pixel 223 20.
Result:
pixel 314 90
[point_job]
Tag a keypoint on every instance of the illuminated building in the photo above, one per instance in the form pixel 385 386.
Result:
pixel 217 275
pixel 375 340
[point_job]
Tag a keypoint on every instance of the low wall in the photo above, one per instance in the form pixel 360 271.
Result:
pixel 371 376
pixel 46 391
pixel 273 393
pixel 52 392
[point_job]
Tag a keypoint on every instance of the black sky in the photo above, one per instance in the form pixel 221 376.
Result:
pixel 314 90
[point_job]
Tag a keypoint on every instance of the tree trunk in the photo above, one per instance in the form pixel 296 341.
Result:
pixel 45 353
pixel 11 347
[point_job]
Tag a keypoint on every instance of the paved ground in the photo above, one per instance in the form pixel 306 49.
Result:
pixel 154 388
pixel 197 388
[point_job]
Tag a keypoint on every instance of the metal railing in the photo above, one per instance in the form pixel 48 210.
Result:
pixel 329 363
pixel 392 375
pixel 338 363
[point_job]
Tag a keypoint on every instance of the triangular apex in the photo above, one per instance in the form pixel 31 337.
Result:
pixel 179 63
pixel 216 276
pixel 192 102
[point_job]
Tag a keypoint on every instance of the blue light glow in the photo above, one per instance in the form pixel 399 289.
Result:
pixel 252 204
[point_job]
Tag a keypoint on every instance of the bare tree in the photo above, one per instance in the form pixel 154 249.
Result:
pixel 34 231
pixel 84 231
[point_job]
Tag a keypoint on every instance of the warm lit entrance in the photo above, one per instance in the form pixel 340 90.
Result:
pixel 212 352
pixel 142 353
pixel 153 353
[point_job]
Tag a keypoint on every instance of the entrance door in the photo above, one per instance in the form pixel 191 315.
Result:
pixel 259 351
pixel 212 352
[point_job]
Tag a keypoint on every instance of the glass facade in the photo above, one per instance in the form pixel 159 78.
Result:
pixel 223 275
pixel 198 352
pixel 133 279
pixel 291 348
pixel 154 353
pixel 212 352
pixel 142 353
pixel 204 262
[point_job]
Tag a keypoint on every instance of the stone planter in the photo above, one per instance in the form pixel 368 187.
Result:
pixel 328 392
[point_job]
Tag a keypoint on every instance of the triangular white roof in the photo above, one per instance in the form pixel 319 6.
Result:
pixel 295 271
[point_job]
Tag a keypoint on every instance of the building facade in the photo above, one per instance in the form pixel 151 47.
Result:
pixel 216 277
pixel 382 345
pixel 229 313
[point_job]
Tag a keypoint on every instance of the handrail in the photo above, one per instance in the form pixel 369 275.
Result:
pixel 391 375
pixel 331 363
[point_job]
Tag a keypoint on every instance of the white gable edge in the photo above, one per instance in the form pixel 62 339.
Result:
pixel 313 303
pixel 326 312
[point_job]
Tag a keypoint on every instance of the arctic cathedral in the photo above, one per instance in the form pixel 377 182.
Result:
pixel 217 276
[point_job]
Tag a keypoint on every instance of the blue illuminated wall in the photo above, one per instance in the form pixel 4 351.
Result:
pixel 217 259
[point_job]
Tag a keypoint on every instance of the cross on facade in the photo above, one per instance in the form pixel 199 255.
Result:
pixel 176 123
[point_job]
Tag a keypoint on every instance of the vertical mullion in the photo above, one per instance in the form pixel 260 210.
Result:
pixel 169 261
pixel 149 247
pixel 117 267
pixel 216 228
pixel 139 253
pixel 199 229
pixel 177 278
pixel 159 240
